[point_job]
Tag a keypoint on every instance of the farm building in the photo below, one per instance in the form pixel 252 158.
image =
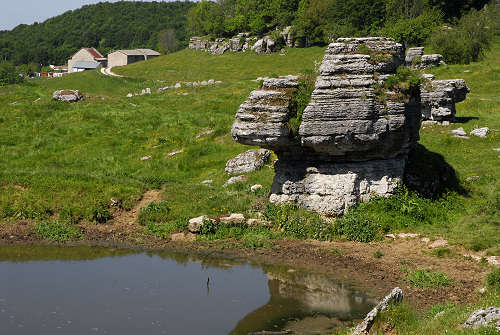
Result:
pixel 80 66
pixel 125 57
pixel 86 55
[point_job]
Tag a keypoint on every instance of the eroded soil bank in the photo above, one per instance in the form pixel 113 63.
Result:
pixel 375 267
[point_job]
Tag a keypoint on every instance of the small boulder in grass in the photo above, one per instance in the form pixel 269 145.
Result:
pixel 248 161
pixel 232 219
pixel 484 318
pixel 195 224
pixel 235 180
pixel 67 96
pixel 481 132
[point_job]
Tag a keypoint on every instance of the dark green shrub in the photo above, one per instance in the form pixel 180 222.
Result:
pixel 414 30
pixel 101 213
pixel 468 40
pixel 425 278
pixel 9 75
pixel 296 222
pixel 59 232
pixel 493 279
pixel 356 225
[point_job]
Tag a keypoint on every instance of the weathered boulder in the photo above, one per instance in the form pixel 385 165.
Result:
pixel 431 60
pixel 439 97
pixel 235 180
pixel 248 161
pixel 483 318
pixel 234 218
pixel 481 132
pixel 354 135
pixel 259 46
pixel 414 55
pixel 67 95
pixel 287 36
pixel 195 224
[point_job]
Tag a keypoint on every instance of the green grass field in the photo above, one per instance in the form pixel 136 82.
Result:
pixel 67 160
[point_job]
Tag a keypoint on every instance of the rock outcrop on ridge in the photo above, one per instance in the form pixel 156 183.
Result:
pixel 354 136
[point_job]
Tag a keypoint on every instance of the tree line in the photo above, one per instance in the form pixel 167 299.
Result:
pixel 315 22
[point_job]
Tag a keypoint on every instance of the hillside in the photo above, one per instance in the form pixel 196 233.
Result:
pixel 73 173
pixel 105 25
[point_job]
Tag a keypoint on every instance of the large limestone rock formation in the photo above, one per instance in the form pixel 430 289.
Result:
pixel 439 98
pixel 354 137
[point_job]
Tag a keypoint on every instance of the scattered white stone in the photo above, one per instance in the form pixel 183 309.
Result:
pixel 196 84
pixel 460 136
pixel 496 149
pixel 438 314
pixel 391 236
pixel 145 158
pixel 459 132
pixel 482 290
pixel 66 96
pixel 218 82
pixel 466 71
pixel 173 153
pixel 480 132
pixel 208 181
pixel 189 84
pixel 195 224
pixel 429 123
pixel 493 260
pixel 473 257
pixel 472 178
pixel 425 239
pixel 130 95
pixel 234 180
pixel 114 202
pixel 256 187
pixel 233 218
pixel 483 318
pixel 178 85
pixel 408 235
pixel 445 123
pixel 148 90
pixel 37 100
pixel 258 222
pixel 211 82
pixel 205 133
pixel 439 244
pixel 204 83
pixel 185 93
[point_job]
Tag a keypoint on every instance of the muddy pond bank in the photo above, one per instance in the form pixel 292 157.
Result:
pixel 352 262
pixel 81 290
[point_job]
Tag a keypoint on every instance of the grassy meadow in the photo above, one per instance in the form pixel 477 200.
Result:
pixel 61 164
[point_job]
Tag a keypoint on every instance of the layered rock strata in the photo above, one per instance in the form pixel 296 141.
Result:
pixel 354 136
pixel 439 98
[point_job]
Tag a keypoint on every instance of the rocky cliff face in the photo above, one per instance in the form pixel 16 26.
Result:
pixel 355 134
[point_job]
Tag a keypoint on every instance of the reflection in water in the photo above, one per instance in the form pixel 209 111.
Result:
pixel 81 290
pixel 298 295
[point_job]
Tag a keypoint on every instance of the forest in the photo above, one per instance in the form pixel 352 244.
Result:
pixel 315 22
pixel 106 26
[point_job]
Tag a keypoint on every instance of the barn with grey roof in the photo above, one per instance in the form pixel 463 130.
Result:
pixel 125 57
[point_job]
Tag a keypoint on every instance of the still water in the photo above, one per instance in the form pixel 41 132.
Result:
pixel 80 290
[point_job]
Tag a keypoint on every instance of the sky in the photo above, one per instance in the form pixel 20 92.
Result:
pixel 15 12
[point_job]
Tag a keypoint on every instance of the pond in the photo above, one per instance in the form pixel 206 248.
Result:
pixel 83 290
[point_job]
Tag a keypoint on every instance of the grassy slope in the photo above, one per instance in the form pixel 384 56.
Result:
pixel 76 157
pixel 56 157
